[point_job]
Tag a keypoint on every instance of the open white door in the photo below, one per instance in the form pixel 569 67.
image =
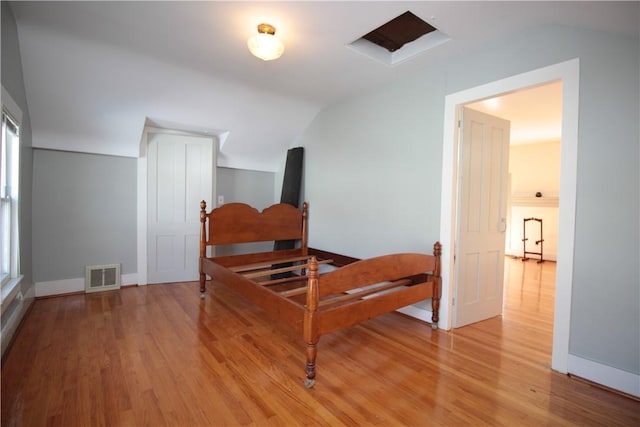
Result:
pixel 481 223
pixel 179 176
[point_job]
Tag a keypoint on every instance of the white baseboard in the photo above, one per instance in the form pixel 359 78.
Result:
pixel 58 287
pixel 68 286
pixel 129 279
pixel 617 379
pixel 416 312
pixel 31 294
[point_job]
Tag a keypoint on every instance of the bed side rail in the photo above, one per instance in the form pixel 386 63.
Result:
pixel 339 260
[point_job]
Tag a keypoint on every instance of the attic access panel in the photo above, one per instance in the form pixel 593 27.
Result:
pixel 400 39
pixel 399 31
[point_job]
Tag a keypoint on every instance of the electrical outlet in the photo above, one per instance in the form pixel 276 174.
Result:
pixel 221 200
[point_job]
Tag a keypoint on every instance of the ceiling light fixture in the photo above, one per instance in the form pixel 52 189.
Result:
pixel 265 45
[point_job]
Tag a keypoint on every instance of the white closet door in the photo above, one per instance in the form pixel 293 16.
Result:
pixel 180 175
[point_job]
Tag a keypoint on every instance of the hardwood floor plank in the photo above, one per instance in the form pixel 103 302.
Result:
pixel 159 355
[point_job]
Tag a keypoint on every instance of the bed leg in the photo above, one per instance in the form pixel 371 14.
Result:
pixel 435 305
pixel 437 287
pixel 312 352
pixel 310 327
pixel 203 245
pixel 435 315
pixel 203 280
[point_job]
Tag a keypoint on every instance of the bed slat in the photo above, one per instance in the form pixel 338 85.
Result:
pixel 360 294
pixel 293 292
pixel 256 265
pixel 283 280
pixel 269 272
pixel 272 257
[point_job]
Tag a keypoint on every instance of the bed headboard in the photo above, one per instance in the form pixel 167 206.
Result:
pixel 241 223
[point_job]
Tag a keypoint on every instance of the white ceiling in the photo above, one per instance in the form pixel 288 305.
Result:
pixel 96 72
pixel 535 114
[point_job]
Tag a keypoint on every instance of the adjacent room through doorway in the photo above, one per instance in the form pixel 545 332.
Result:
pixel 533 187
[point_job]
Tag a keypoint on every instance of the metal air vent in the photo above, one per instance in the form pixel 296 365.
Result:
pixel 102 277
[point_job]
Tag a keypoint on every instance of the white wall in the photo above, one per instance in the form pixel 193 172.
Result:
pixel 534 168
pixel 372 171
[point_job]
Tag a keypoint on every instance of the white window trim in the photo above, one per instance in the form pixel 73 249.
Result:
pixel 11 106
pixel 10 286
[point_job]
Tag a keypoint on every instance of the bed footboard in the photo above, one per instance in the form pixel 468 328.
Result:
pixel 385 284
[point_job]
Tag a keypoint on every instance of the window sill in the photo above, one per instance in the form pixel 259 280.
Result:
pixel 9 290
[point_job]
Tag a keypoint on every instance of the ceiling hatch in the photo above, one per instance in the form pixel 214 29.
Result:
pixel 399 39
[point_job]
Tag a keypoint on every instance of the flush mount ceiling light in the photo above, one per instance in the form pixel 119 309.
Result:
pixel 265 45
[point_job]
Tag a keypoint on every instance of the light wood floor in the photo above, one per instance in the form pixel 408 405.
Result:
pixel 158 355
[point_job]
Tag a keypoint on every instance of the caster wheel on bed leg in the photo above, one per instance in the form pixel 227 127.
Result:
pixel 309 382
pixel 201 295
pixel 434 326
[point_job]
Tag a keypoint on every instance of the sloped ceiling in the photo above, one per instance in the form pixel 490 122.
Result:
pixel 97 72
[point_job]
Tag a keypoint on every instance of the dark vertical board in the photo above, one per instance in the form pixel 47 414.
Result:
pixel 292 177
pixel 291 184
pixel 290 194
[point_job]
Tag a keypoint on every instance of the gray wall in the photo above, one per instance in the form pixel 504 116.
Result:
pixel 84 213
pixel 373 173
pixel 244 186
pixel 85 210
pixel 252 187
pixel 13 82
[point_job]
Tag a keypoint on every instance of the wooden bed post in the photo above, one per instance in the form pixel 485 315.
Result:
pixel 203 245
pixel 437 287
pixel 311 336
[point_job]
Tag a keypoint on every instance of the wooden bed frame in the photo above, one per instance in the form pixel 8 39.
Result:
pixel 287 283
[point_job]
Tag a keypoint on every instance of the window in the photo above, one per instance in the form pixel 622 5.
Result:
pixel 9 195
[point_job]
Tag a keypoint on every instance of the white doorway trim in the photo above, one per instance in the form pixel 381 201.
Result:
pixel 569 73
pixel 142 183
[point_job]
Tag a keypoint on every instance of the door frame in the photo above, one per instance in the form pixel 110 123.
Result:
pixel 142 183
pixel 569 73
